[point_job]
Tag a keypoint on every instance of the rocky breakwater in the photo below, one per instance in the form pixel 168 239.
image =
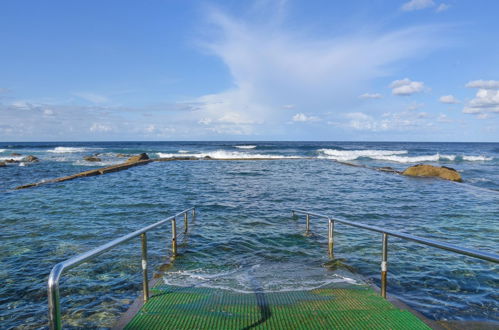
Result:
pixel 443 172
pixel 141 159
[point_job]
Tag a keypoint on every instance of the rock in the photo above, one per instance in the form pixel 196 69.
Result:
pixel 15 154
pixel 30 159
pixel 121 155
pixel 207 157
pixel 2 164
pixel 443 172
pixel 142 156
pixel 92 159
pixel 11 161
pixel 387 169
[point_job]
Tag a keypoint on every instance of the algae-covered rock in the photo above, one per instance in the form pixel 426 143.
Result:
pixel 443 172
pixel 92 159
pixel 142 156
pixel 30 159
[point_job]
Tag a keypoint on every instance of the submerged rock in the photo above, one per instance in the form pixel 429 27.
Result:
pixel 15 154
pixel 30 159
pixel 387 169
pixel 92 159
pixel 142 156
pixel 443 172
pixel 2 164
pixel 121 155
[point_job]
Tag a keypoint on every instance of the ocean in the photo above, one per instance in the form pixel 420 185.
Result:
pixel 243 234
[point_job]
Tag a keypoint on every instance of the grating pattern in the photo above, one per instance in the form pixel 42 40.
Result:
pixel 354 307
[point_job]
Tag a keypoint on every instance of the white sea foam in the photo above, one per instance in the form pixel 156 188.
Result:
pixel 346 155
pixel 222 154
pixel 18 158
pixel 245 147
pixel 62 150
pixel 22 164
pixel 477 158
pixel 3 150
pixel 247 280
pixel 393 156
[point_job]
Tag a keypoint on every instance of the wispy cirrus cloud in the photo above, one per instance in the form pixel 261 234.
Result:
pixel 271 65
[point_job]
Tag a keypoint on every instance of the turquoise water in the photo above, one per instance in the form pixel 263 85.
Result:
pixel 244 235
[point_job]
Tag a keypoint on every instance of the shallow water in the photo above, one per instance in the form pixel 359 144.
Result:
pixel 244 234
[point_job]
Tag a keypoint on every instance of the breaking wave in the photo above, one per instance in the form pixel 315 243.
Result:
pixel 393 156
pixel 245 147
pixel 3 150
pixel 222 154
pixel 62 150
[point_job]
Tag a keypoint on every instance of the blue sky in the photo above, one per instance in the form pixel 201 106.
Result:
pixel 409 70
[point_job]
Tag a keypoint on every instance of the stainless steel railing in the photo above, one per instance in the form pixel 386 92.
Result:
pixel 385 233
pixel 57 270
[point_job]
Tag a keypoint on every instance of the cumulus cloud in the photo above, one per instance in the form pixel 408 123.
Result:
pixel 301 117
pixel 405 87
pixel 371 96
pixel 486 99
pixel 417 5
pixel 448 99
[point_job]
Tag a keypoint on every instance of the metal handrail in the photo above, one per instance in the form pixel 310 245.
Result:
pixel 58 269
pixel 384 261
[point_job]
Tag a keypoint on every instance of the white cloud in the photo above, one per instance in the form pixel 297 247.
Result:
pixel 371 96
pixel 442 7
pixel 272 66
pixel 485 84
pixel 486 99
pixel 98 127
pixel 448 99
pixel 417 5
pixel 48 112
pixel 289 106
pixel 92 97
pixel 406 87
pixel 442 118
pixel 301 117
pixel 389 121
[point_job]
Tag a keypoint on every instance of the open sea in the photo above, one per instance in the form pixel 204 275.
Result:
pixel 244 235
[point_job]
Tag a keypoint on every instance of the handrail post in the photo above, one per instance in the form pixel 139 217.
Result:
pixel 174 237
pixel 193 214
pixel 331 238
pixel 186 224
pixel 145 281
pixel 384 265
pixel 308 224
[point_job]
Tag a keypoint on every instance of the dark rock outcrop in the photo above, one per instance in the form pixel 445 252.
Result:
pixel 30 159
pixel 11 161
pixel 15 154
pixel 92 159
pixel 142 156
pixel 2 164
pixel 443 172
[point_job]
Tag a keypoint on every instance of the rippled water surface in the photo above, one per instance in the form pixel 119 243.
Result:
pixel 244 236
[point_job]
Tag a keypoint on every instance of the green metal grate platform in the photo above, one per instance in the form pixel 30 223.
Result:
pixel 349 307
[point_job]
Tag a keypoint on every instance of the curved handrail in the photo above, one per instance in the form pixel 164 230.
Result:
pixel 58 269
